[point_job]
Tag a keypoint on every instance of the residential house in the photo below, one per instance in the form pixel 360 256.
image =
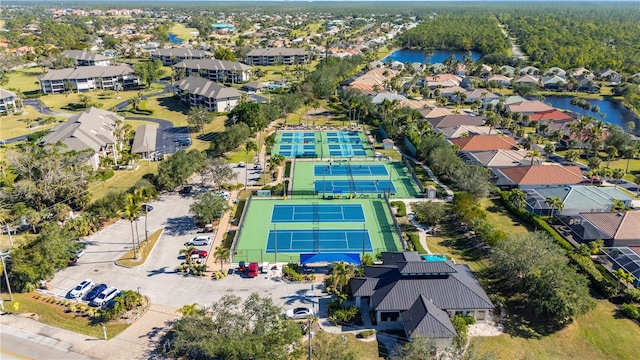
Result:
pixel 627 258
pixel 484 143
pixel 610 75
pixel 529 70
pixel 617 229
pixel 434 112
pixel 528 107
pixel 587 84
pixel 273 56
pixel 496 158
pixel 455 120
pixel 556 71
pixel 581 72
pixel 87 58
pixel 420 297
pixel 482 95
pixel 452 92
pixel 373 81
pixel 215 70
pixel 505 101
pixel 254 86
pixel 86 78
pixel 10 103
pixel 576 199
pixel 553 82
pixel 464 131
pixel 175 55
pixel 381 97
pixel 144 141
pixel 526 177
pixel 500 80
pixel 442 81
pixel 197 91
pixel 91 130
pixel 507 70
pixel 527 79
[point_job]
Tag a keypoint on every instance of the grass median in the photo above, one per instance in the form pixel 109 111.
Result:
pixel 127 260
pixel 56 314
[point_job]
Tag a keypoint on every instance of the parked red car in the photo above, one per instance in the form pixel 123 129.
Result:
pixel 253 270
pixel 201 253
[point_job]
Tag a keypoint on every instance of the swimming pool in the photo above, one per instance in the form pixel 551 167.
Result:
pixel 434 257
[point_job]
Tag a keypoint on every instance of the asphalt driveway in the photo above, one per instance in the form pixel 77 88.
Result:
pixel 157 277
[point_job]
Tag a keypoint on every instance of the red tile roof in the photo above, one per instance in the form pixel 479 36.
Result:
pixel 544 175
pixel 553 114
pixel 620 226
pixel 485 143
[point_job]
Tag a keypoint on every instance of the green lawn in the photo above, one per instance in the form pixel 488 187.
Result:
pixel 55 315
pixel 598 335
pixel 184 33
pixel 122 180
pixel 365 350
pixel 24 80
pixel 501 219
pixel 15 125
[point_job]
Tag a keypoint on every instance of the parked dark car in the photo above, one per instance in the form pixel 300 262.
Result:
pixel 242 266
pixel 93 293
pixel 186 189
pixel 147 207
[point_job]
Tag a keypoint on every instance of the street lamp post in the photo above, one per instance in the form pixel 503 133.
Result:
pixel 324 184
pixel 3 256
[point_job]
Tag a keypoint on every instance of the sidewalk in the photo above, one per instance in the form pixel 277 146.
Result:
pixel 136 342
pixel 218 240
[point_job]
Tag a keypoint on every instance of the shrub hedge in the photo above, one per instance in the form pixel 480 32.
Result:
pixel 402 208
pixel 414 239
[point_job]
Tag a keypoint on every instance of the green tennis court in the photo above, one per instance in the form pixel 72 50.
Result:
pixel 313 177
pixel 321 144
pixel 258 234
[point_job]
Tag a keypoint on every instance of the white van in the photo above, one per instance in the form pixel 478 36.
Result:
pixel 264 268
pixel 105 296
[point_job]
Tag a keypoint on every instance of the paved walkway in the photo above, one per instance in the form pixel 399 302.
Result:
pixel 224 226
pixel 136 342
pixel 430 173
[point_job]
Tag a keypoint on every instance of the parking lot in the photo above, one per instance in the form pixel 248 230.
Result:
pixel 157 277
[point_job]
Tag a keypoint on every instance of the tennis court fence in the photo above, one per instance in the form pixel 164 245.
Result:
pixel 395 223
pixel 240 225
pixel 260 255
pixel 408 164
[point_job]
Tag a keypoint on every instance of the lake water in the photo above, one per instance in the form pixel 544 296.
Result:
pixel 616 113
pixel 174 38
pixel 437 56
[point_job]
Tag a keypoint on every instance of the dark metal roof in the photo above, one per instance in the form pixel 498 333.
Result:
pixel 393 257
pixel 363 286
pixel 425 319
pixel 425 267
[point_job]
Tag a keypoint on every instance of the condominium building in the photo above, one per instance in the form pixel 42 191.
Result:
pixel 173 56
pixel 215 70
pixel 273 56
pixel 85 78
pixel 86 58
pixel 198 91
pixel 10 103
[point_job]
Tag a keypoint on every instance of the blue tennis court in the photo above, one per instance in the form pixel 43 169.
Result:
pixel 346 150
pixel 318 241
pixel 317 213
pixel 346 169
pixel 289 137
pixel 359 186
pixel 343 137
pixel 297 150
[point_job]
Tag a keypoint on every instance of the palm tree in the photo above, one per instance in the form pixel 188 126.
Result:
pixel 187 251
pixel 145 194
pixel 554 203
pixel 612 152
pixel 342 272
pixel 221 254
pixel 533 155
pixel 517 197
pixel 131 212
pixel 617 174
pixel 188 310
pixel 549 149
pixel 630 152
pixel 198 117
pixel 594 163
pixel 248 147
pixel 624 277
pixel 617 205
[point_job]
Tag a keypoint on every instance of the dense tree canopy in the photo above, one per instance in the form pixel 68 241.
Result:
pixel 236 329
pixel 478 31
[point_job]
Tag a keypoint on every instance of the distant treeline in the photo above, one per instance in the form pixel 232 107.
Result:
pixel 479 32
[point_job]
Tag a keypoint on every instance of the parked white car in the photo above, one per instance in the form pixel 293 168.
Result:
pixel 299 313
pixel 201 240
pixel 81 289
pixel 105 296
